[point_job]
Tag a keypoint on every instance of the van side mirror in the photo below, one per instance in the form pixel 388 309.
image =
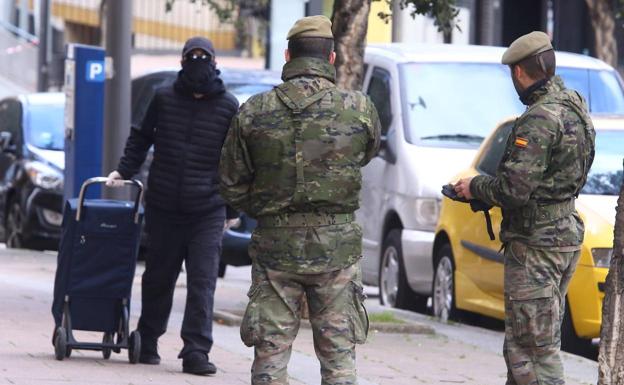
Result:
pixel 386 149
pixel 5 142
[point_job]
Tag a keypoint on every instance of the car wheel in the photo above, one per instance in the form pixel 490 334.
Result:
pixel 444 285
pixel 13 227
pixel 571 342
pixel 394 290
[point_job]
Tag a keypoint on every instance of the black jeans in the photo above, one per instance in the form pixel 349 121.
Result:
pixel 198 244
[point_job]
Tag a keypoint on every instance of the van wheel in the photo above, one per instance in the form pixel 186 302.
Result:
pixel 394 290
pixel 444 285
pixel 571 342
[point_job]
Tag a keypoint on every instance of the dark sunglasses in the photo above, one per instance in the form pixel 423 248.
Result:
pixel 194 56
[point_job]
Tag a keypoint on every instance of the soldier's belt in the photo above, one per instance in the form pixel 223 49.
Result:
pixel 304 220
pixel 552 212
pixel 534 214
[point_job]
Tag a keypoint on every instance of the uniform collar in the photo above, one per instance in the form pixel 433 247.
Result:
pixel 308 66
pixel 540 89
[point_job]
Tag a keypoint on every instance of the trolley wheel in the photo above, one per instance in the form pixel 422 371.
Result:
pixel 60 344
pixel 107 339
pixel 119 341
pixel 134 347
pixel 68 352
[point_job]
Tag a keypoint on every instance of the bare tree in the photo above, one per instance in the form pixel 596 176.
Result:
pixel 603 14
pixel 350 24
pixel 611 355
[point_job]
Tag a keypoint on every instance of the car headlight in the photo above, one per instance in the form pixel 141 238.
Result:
pixel 427 213
pixel 44 176
pixel 602 256
pixel 52 217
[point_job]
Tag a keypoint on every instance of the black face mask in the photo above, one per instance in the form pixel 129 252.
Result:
pixel 199 71
pixel 200 77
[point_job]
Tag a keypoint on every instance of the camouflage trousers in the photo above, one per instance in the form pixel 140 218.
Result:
pixel 337 315
pixel 536 283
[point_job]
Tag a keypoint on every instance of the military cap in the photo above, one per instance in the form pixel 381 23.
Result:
pixel 525 46
pixel 311 26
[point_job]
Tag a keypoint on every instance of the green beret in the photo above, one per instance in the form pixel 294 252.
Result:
pixel 525 46
pixel 311 26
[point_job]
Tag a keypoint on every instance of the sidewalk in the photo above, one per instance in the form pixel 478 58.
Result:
pixel 456 354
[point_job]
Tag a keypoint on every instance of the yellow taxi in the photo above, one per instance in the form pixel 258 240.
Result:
pixel 468 266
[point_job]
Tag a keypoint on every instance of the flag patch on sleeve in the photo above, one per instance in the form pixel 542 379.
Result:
pixel 521 142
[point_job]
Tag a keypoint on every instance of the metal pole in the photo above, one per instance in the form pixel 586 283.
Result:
pixel 315 7
pixel 44 32
pixel 23 15
pixel 117 93
pixel 397 22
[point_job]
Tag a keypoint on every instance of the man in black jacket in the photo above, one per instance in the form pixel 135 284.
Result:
pixel 186 123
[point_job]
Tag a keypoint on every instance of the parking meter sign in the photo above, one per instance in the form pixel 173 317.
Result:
pixel 95 71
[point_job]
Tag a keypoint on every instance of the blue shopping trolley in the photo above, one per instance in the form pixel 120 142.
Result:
pixel 95 270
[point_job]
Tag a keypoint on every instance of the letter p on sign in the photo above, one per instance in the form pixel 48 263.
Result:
pixel 95 71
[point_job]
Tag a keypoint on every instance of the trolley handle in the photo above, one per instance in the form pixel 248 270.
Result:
pixel 103 179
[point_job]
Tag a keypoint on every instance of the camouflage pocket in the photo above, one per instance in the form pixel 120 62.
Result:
pixel 359 315
pixel 518 252
pixel 251 319
pixel 535 315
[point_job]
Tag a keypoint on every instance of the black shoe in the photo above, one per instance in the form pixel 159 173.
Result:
pixel 149 353
pixel 149 358
pixel 197 363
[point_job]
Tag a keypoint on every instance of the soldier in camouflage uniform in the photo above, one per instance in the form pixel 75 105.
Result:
pixel 292 160
pixel 544 166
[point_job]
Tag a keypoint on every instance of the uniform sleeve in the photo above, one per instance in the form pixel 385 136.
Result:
pixel 139 142
pixel 235 169
pixel 522 169
pixel 374 133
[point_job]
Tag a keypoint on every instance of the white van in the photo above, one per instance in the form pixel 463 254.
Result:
pixel 436 104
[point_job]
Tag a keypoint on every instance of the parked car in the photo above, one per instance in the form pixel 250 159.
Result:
pixel 31 169
pixel 32 161
pixel 436 104
pixel 469 267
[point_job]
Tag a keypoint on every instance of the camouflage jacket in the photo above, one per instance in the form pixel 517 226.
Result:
pixel 544 166
pixel 297 150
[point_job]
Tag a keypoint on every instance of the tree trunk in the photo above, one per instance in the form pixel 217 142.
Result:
pixel 602 17
pixel 349 25
pixel 611 355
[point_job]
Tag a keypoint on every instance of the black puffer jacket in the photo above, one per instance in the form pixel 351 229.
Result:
pixel 187 134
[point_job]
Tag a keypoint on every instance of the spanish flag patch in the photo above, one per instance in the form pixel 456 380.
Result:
pixel 521 142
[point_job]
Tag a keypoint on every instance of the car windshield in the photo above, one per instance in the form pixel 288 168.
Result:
pixel 457 104
pixel 45 126
pixel 605 175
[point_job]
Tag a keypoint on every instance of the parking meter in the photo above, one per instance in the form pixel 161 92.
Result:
pixel 84 117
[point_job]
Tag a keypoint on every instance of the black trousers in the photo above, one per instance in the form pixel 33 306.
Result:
pixel 170 242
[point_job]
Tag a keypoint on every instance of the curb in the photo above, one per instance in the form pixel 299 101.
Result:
pixel 229 318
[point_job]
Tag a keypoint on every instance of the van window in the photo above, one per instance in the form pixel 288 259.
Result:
pixel 458 104
pixel 379 92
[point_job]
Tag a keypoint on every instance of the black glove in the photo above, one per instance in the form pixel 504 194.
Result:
pixel 476 205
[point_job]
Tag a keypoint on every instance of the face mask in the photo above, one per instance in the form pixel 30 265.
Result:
pixel 199 72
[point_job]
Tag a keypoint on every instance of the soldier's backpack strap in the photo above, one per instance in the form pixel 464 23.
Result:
pixel 584 137
pixel 290 95
pixel 587 138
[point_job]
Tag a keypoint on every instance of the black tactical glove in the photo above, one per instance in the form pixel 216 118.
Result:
pixel 476 205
